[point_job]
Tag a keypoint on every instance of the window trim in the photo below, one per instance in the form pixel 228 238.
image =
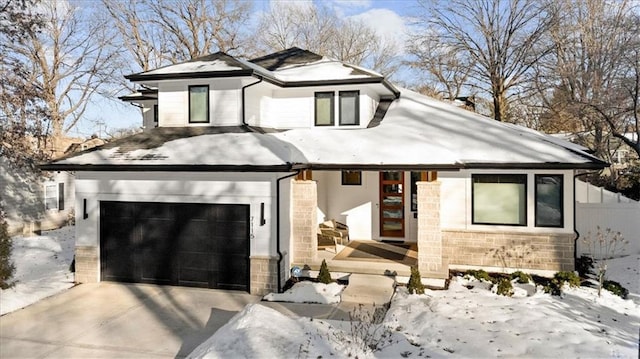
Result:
pixel 535 197
pixel 346 183
pixel 525 206
pixel 357 106
pixel 208 120
pixel 316 96
pixel 59 201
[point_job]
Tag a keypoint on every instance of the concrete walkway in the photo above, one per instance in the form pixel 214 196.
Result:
pixel 112 320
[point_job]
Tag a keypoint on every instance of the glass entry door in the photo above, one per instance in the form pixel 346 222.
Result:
pixel 392 204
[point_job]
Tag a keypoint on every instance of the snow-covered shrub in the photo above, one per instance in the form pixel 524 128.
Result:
pixel 554 286
pixel 505 287
pixel 480 275
pixel 615 288
pixel 415 282
pixel 366 331
pixel 7 268
pixel 521 277
pixel 324 276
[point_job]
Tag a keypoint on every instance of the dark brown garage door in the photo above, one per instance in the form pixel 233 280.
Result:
pixel 186 244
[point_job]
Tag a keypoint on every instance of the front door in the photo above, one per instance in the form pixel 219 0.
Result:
pixel 392 204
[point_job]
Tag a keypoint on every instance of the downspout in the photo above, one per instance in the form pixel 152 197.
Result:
pixel 280 256
pixel 244 120
pixel 575 226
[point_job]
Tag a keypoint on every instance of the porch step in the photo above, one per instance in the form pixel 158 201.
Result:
pixel 369 289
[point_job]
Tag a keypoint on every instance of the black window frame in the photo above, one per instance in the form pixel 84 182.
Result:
pixel 561 182
pixel 208 104
pixel 155 113
pixel 325 94
pixel 345 181
pixel 415 177
pixel 504 175
pixel 347 94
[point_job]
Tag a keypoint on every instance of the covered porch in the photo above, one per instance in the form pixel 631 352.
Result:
pixel 393 221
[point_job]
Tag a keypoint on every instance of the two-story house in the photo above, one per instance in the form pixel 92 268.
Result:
pixel 241 160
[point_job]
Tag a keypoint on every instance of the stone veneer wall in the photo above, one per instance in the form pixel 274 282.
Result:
pixel 87 264
pixel 429 233
pixel 264 275
pixel 304 226
pixel 519 250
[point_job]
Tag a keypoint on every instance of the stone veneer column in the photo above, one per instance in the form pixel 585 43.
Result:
pixel 304 207
pixel 264 275
pixel 87 264
pixel 429 232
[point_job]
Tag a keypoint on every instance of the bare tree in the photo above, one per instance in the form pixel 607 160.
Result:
pixel 591 84
pixel 441 66
pixel 501 40
pixel 157 33
pixel 319 29
pixel 21 113
pixel 67 63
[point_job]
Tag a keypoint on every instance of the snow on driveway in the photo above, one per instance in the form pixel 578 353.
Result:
pixel 42 268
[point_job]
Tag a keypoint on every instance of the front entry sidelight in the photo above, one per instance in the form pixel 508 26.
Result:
pixel 392 204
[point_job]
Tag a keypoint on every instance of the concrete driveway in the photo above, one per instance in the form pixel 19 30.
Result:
pixel 113 320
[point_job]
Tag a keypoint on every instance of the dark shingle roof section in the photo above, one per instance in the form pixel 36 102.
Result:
pixel 292 56
pixel 381 110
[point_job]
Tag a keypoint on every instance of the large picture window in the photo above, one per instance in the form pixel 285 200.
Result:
pixel 199 104
pixel 349 108
pixel 324 109
pixel 499 199
pixel 549 210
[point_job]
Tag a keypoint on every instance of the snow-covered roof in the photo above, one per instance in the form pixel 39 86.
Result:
pixel 290 67
pixel 417 132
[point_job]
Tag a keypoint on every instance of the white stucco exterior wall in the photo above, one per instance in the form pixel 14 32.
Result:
pixel 224 102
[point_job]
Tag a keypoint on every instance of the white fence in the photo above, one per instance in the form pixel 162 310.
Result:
pixel 588 193
pixel 606 209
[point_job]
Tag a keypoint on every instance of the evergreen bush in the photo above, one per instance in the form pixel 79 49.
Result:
pixel 522 277
pixel 324 276
pixel 615 288
pixel 480 275
pixel 415 285
pixel 505 287
pixel 7 269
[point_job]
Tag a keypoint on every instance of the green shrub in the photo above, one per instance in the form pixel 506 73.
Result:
pixel 554 286
pixel 7 269
pixel 615 288
pixel 415 282
pixel 324 276
pixel 480 275
pixel 505 287
pixel 567 277
pixel 522 277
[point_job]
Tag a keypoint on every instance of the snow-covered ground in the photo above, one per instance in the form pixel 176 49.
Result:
pixel 42 268
pixel 308 292
pixel 458 322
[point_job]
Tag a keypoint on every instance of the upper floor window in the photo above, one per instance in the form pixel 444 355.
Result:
pixel 349 108
pixel 324 109
pixel 499 199
pixel 199 104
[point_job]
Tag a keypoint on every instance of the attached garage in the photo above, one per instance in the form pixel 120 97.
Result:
pixel 185 244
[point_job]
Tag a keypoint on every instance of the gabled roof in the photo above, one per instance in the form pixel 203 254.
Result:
pixel 418 132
